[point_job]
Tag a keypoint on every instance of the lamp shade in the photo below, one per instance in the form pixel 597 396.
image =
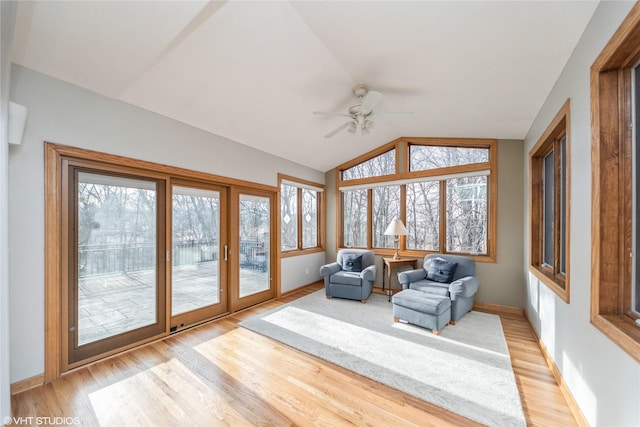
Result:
pixel 396 228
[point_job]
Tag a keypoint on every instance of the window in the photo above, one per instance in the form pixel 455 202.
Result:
pixel 354 218
pixel 423 215
pixel 386 207
pixel 614 249
pixel 384 164
pixel 549 205
pixel 444 199
pixel 427 157
pixel 289 216
pixel 301 226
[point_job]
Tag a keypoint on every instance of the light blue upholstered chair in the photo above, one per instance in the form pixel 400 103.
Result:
pixel 462 288
pixel 351 276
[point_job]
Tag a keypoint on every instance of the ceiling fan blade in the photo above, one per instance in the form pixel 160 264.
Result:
pixel 338 129
pixel 329 113
pixel 402 116
pixel 369 101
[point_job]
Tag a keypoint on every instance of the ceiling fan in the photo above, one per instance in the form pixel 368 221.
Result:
pixel 361 115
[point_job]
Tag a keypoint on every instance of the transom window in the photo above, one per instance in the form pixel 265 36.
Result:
pixel 442 191
pixel 381 165
pixel 427 157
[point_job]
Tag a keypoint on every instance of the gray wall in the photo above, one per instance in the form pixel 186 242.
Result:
pixel 66 114
pixel 7 20
pixel 604 380
pixel 501 282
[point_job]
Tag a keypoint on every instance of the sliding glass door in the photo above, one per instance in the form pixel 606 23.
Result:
pixel 253 259
pixel 115 271
pixel 144 253
pixel 199 242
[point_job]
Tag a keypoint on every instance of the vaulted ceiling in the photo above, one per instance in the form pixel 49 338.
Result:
pixel 254 72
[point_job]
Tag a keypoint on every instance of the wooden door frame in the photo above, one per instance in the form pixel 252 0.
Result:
pixel 72 356
pixel 190 318
pixel 237 303
pixel 54 154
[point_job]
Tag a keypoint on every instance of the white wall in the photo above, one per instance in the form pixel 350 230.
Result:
pixel 7 20
pixel 300 270
pixel 604 380
pixel 66 114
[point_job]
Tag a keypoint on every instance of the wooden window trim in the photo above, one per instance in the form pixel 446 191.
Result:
pixel 611 201
pixel 401 147
pixel 558 128
pixel 321 218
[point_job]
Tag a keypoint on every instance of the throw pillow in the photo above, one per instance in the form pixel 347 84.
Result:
pixel 441 270
pixel 352 263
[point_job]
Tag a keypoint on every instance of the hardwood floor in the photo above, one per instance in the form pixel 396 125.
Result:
pixel 222 374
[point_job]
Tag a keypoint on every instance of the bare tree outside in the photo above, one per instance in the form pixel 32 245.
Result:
pixel 309 218
pixel 116 240
pixel 423 215
pixel 355 218
pixel 427 157
pixel 386 207
pixel 467 215
pixel 464 201
pixel 289 217
pixel 384 164
pixel 195 241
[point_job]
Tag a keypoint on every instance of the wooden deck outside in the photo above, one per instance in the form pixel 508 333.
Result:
pixel 110 304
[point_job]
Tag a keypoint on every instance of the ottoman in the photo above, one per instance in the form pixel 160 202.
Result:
pixel 422 309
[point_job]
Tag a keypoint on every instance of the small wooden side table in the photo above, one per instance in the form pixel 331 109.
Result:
pixel 389 264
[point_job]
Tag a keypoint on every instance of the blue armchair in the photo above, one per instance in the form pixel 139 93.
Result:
pixel 462 288
pixel 351 276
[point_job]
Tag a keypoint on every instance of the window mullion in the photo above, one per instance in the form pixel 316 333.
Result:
pixel 299 217
pixel 556 206
pixel 443 217
pixel 370 218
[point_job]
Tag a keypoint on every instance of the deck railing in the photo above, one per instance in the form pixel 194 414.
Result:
pixel 95 260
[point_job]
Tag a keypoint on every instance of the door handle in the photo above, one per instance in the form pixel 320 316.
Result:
pixel 226 252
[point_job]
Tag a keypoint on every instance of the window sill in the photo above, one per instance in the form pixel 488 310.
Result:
pixel 621 330
pixel 551 284
pixel 300 252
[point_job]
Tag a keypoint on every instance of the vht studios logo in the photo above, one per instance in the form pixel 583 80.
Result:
pixel 40 421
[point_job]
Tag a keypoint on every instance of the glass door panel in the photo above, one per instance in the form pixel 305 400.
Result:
pixel 114 292
pixel 197 279
pixel 254 258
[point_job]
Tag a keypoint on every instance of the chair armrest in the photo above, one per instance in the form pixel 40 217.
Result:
pixel 329 269
pixel 369 273
pixel 464 287
pixel 409 276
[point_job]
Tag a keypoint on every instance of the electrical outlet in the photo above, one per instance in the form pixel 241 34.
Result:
pixel 306 271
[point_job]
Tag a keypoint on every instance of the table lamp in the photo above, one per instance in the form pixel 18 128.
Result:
pixel 396 228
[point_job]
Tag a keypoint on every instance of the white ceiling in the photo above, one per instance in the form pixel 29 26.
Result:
pixel 254 72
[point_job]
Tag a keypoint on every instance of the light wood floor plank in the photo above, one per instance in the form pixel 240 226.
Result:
pixel 222 374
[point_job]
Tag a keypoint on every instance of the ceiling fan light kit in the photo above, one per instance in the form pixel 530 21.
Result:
pixel 361 115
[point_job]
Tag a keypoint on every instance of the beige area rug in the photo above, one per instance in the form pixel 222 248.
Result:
pixel 466 369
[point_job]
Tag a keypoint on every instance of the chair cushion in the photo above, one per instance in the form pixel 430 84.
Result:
pixel 436 288
pixel 352 262
pixel 346 278
pixel 422 302
pixel 441 270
